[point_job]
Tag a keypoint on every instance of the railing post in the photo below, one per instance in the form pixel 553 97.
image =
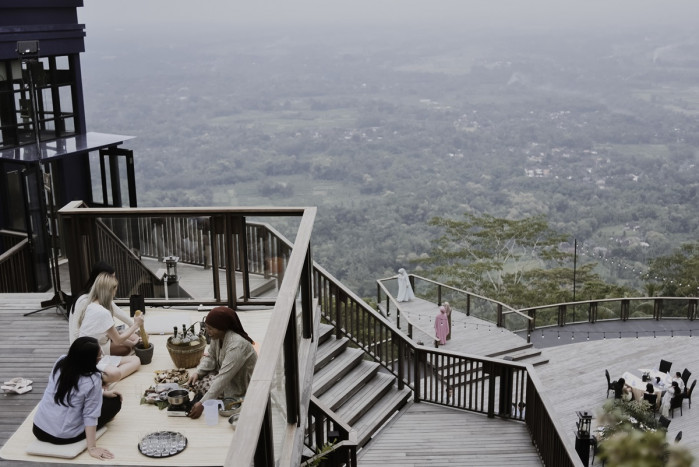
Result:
pixel 592 312
pixel 291 368
pixel 657 308
pixel 401 360
pixel 439 294
pixel 692 309
pixel 561 315
pixel 468 304
pixel 338 313
pixel 307 296
pixel 416 374
pixel 488 368
pixel 531 325
pixel 264 453
pixel 625 310
pixel 499 318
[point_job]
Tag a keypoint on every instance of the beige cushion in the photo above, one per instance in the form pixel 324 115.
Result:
pixel 64 451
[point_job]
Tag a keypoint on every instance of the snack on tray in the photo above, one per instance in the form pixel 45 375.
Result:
pixel 179 376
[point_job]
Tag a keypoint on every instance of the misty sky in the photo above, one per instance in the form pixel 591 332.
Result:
pixel 537 15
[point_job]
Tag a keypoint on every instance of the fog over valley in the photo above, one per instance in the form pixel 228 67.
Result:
pixel 386 114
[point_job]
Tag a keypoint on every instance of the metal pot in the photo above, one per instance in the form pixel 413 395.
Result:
pixel 178 396
pixel 231 406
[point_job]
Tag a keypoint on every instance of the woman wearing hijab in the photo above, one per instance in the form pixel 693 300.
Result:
pixel 441 325
pixel 228 366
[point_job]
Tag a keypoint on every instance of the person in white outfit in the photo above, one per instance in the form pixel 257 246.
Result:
pixel 124 349
pixel 96 319
pixel 405 290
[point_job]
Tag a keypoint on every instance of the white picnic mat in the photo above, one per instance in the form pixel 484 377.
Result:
pixel 207 445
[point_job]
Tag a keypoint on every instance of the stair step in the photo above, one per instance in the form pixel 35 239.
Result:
pixel 518 357
pixel 331 349
pixel 512 350
pixel 365 398
pixel 336 370
pixel 351 383
pixel 325 332
pixel 374 419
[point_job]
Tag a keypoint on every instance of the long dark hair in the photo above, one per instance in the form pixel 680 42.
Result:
pixel 80 361
pixel 97 268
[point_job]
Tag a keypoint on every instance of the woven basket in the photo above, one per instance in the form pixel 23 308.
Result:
pixel 186 356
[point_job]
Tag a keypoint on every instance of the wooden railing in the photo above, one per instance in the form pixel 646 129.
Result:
pixel 478 384
pixel 123 236
pixel 461 301
pixel 15 263
pixel 621 309
pixel 527 320
pixel 330 438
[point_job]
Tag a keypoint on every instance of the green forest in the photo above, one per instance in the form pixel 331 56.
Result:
pixel 595 134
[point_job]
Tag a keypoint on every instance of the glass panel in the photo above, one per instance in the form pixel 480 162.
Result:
pixel 66 98
pixel 69 124
pixel 95 180
pixel 46 100
pixel 62 63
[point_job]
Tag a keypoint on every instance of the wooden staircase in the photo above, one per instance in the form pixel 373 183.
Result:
pixel 357 390
pixel 526 353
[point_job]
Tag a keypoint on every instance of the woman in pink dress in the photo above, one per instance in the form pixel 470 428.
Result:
pixel 441 325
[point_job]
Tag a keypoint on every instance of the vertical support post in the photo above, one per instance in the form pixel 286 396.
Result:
pixel 291 371
pixel 468 304
pixel 229 245
pixel 264 453
pixel 307 296
pixel 416 374
pixel 561 315
pixel 499 317
pixel 401 360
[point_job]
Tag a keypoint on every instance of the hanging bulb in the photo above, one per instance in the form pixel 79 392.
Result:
pixel 604 335
pixel 559 335
pixel 572 337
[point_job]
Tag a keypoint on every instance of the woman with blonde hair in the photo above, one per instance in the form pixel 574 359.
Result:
pixel 95 318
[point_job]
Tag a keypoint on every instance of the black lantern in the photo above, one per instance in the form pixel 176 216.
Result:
pixel 584 424
pixel 171 265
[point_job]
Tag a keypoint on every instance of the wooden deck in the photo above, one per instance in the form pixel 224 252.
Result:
pixel 431 435
pixel 574 380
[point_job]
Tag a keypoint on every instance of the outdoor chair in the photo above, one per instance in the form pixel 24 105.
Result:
pixel 610 384
pixel 676 403
pixel 688 396
pixel 685 378
pixel 678 437
pixel 664 422
pixel 664 366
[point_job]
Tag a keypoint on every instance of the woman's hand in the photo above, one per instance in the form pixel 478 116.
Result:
pixel 100 453
pixel 196 410
pixel 111 393
pixel 138 320
pixel 193 378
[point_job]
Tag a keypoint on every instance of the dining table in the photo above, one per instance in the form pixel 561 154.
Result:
pixel 660 382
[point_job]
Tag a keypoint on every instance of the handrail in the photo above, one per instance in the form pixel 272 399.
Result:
pixel 16 265
pixel 254 443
